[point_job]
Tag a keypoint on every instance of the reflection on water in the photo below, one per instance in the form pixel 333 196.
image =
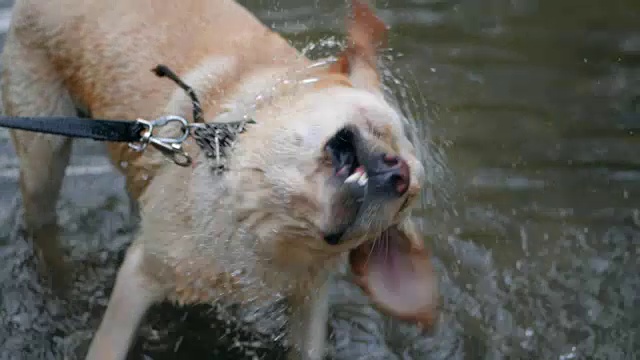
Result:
pixel 534 220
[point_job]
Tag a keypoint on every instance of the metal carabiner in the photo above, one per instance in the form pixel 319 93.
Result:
pixel 171 150
pixel 160 122
pixel 170 147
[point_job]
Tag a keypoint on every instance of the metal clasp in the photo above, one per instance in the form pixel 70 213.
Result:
pixel 170 147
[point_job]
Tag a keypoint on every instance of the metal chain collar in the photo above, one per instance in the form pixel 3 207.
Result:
pixel 217 140
pixel 214 138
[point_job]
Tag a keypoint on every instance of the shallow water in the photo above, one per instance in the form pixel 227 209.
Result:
pixel 528 110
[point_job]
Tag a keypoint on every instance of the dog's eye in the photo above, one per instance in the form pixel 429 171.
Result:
pixel 379 132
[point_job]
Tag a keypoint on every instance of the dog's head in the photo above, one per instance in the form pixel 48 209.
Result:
pixel 331 170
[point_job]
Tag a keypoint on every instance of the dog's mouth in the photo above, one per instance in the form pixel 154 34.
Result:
pixel 370 186
pixel 391 266
pixel 350 179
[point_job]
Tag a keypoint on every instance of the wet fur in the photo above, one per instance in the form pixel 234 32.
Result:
pixel 265 214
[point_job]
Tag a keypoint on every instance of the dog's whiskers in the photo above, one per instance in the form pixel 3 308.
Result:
pixel 376 240
pixel 386 243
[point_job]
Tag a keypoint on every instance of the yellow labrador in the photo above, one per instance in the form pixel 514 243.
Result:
pixel 325 175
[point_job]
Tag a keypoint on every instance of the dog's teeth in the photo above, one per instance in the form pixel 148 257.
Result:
pixel 353 177
pixel 363 179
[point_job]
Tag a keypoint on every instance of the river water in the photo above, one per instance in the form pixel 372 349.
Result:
pixel 528 112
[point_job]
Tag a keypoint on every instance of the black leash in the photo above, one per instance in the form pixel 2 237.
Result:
pixel 213 138
pixel 96 129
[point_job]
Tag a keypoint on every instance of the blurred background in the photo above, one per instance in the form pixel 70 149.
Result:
pixel 528 112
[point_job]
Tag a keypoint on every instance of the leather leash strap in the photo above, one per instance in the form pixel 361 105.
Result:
pixel 101 130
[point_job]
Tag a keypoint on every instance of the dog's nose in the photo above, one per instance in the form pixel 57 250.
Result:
pixel 391 174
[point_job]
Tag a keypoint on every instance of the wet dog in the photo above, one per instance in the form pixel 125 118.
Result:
pixel 326 175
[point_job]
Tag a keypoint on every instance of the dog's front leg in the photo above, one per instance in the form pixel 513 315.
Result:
pixel 308 325
pixel 132 295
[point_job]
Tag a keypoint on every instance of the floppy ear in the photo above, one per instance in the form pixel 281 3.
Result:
pixel 366 35
pixel 396 273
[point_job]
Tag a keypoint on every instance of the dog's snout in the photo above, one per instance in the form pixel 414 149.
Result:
pixel 392 174
pixel 396 173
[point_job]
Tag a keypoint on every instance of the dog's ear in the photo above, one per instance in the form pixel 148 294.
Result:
pixel 366 35
pixel 397 275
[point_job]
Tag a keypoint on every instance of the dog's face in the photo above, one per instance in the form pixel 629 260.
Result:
pixel 342 166
pixel 333 171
